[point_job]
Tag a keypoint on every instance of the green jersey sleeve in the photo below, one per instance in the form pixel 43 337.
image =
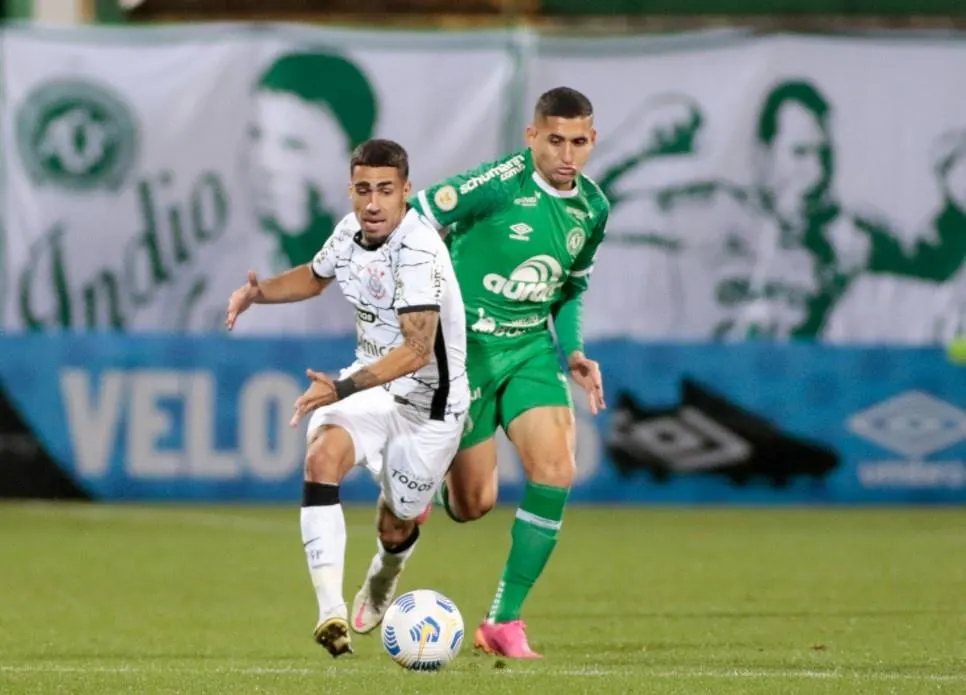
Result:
pixel 474 193
pixel 569 309
pixel 584 263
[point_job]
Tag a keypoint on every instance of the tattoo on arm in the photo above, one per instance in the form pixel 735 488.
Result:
pixel 364 379
pixel 419 331
pixel 419 336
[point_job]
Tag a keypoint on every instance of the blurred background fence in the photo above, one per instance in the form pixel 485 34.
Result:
pixel 776 309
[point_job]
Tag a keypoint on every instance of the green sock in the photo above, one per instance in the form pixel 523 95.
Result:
pixel 534 537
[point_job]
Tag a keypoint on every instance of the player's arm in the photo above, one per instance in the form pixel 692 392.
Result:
pixel 293 285
pixel 305 281
pixel 418 326
pixel 419 271
pixel 568 311
pixel 471 194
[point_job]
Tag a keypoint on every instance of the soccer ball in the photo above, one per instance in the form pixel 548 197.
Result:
pixel 422 630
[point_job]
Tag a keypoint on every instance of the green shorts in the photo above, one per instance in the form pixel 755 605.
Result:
pixel 506 383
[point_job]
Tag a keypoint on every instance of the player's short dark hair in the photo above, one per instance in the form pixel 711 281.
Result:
pixel 563 102
pixel 381 153
pixel 800 92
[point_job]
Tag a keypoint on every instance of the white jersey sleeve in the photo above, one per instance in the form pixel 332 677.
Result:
pixel 419 270
pixel 323 265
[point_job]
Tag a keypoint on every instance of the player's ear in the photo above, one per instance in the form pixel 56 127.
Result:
pixel 593 136
pixel 407 187
pixel 530 134
pixel 348 189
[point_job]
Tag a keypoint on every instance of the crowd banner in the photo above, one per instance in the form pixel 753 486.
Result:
pixel 146 170
pixel 772 187
pixel 775 186
pixel 205 418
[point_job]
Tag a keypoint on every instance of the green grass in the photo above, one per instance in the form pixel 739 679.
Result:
pixel 143 600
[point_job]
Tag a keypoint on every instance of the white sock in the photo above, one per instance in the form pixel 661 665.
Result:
pixel 324 537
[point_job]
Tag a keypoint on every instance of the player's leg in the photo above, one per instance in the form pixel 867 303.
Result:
pixel 471 486
pixel 338 438
pixel 539 420
pixel 415 462
pixel 395 544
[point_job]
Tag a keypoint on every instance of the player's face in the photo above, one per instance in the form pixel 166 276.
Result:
pixel 800 159
pixel 379 200
pixel 560 148
pixel 298 150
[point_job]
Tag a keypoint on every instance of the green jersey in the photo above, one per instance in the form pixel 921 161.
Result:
pixel 523 251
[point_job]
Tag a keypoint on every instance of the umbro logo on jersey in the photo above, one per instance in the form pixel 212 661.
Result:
pixel 521 231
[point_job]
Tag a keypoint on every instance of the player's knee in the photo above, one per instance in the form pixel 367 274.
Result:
pixel 555 471
pixel 472 504
pixel 545 440
pixel 330 455
pixel 322 464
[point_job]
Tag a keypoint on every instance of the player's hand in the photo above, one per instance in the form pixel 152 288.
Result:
pixel 321 392
pixel 241 299
pixel 586 372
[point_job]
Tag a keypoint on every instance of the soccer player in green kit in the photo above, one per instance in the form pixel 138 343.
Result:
pixel 523 233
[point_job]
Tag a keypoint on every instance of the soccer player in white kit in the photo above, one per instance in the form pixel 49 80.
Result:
pixel 399 408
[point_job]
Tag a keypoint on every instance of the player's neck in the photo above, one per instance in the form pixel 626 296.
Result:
pixel 369 244
pixel 567 191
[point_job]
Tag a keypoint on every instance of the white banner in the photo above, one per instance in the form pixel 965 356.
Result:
pixel 775 187
pixel 146 171
pixel 761 186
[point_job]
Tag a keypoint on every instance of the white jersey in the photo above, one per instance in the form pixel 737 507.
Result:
pixel 411 271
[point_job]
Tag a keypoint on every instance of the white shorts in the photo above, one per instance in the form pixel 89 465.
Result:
pixel 405 452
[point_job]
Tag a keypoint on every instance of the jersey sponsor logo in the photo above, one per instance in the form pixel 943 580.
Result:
pixel 505 170
pixel 505 329
pixel 370 347
pixel 521 231
pixel 445 198
pixel 528 201
pixel 580 215
pixel 410 481
pixel 575 240
pixel 365 316
pixel 436 280
pixel 537 279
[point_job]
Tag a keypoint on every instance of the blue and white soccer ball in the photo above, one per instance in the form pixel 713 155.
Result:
pixel 422 630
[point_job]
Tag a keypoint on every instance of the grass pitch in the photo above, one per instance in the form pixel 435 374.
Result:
pixel 101 599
